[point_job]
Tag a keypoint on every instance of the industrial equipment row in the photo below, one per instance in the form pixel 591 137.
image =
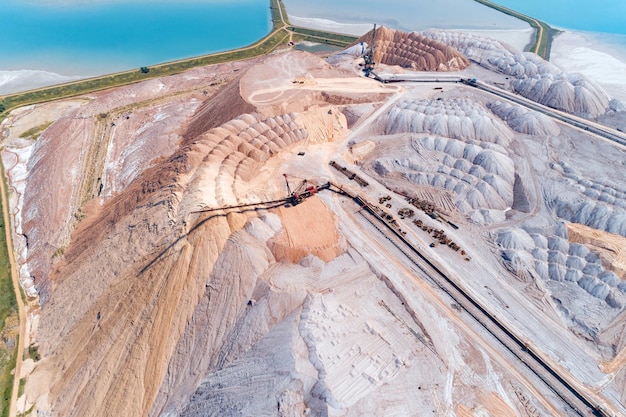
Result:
pixel 351 175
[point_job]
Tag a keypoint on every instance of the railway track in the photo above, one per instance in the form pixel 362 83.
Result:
pixel 594 128
pixel 577 122
pixel 579 401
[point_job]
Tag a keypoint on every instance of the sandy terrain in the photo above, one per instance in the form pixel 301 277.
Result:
pixel 305 234
pixel 153 280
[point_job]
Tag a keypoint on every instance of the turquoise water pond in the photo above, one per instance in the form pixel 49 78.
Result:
pixel 607 16
pixel 101 36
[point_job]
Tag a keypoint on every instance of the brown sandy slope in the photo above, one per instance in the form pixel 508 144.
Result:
pixel 107 141
pixel 220 108
pixel 415 51
pixel 308 228
pixel 138 266
pixel 610 247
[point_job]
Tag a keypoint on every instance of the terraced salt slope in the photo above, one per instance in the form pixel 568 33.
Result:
pixel 600 204
pixel 413 50
pixel 455 145
pixel 534 78
pixel 523 120
pixel 237 149
pixel 555 258
pixel 465 150
pixel 455 118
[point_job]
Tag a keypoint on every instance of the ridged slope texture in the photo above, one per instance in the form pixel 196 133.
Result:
pixel 561 265
pixel 523 120
pixel 453 118
pixel 597 204
pixel 535 78
pixel 96 150
pixel 413 50
pixel 151 261
pixel 225 105
pixel 464 152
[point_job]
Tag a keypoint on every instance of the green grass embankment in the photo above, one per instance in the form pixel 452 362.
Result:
pixel 6 381
pixel 8 303
pixel 278 36
pixel 8 309
pixel 544 34
pixel 330 38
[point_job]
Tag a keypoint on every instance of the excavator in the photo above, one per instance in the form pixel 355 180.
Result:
pixel 294 197
pixel 302 191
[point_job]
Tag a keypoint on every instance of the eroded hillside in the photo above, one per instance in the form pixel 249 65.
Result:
pixel 156 226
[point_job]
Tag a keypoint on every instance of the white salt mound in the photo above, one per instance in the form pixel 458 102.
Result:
pixel 536 79
pixel 573 93
pixel 515 239
pixel 598 215
pixel 455 118
pixel 348 53
pixel 523 120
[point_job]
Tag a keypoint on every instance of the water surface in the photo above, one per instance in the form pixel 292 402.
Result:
pixel 407 15
pixel 593 16
pixel 97 37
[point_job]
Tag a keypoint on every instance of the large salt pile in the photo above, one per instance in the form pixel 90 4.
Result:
pixel 536 78
pixel 479 176
pixel 515 239
pixel 523 120
pixel 597 204
pixel 573 93
pixel 454 118
pixel 555 259
pixel 593 214
pixel 466 155
pixel 413 50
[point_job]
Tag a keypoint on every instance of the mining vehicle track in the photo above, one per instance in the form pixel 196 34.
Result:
pixel 580 402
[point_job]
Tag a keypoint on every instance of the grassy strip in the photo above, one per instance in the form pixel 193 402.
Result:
pixel 20 391
pixel 8 302
pixel 323 37
pixel 34 132
pixel 262 47
pixel 285 19
pixel 545 33
pixel 8 307
pixel 128 77
pixel 7 364
pixel 276 6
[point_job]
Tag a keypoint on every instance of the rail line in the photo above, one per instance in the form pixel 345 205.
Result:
pixel 563 117
pixel 577 122
pixel 576 399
